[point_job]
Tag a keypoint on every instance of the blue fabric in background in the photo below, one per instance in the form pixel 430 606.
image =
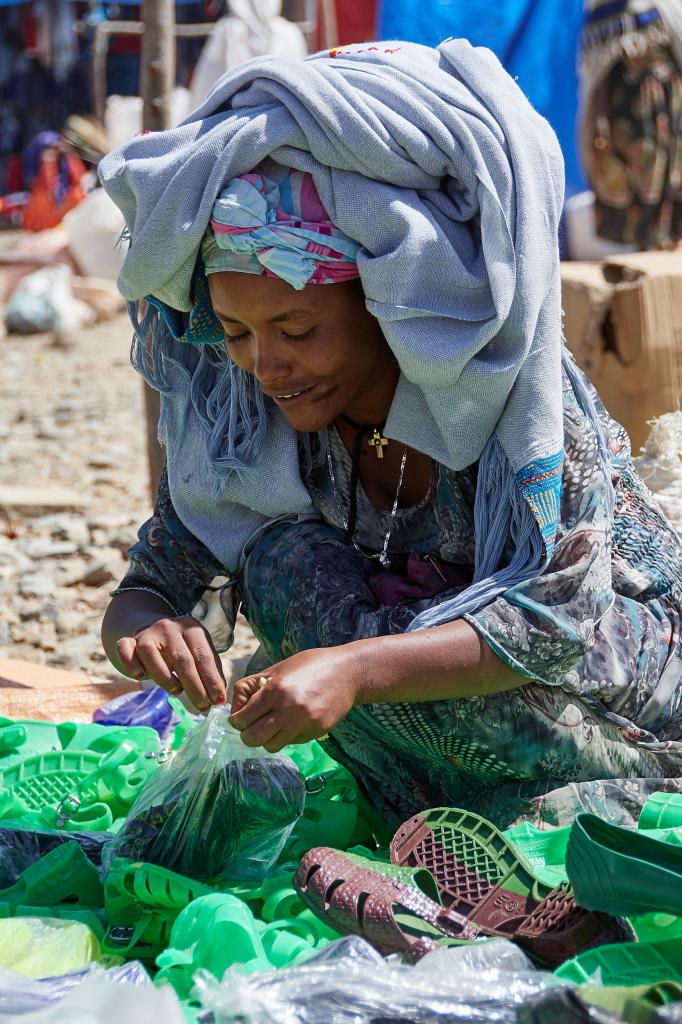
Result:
pixel 536 41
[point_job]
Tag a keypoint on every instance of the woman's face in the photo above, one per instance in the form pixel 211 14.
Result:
pixel 316 352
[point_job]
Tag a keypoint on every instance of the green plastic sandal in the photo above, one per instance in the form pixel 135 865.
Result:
pixel 274 900
pixel 657 927
pixel 75 790
pixel 482 877
pixel 20 738
pixel 628 963
pixel 636 1004
pixel 334 813
pixel 133 888
pixel 143 940
pixel 212 933
pixel 622 871
pixel 662 810
pixel 65 875
pixel 142 902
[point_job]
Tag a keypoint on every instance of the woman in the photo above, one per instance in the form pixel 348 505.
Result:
pixel 433 526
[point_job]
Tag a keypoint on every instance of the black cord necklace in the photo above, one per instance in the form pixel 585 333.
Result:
pixel 378 442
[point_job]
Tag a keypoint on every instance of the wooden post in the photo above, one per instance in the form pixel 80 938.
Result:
pixel 157 79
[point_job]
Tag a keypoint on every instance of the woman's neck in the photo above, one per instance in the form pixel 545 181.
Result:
pixel 371 406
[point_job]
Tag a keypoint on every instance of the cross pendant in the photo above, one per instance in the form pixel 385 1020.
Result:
pixel 378 442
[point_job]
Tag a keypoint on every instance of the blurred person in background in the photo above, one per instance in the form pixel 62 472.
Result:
pixel 631 119
pixel 253 28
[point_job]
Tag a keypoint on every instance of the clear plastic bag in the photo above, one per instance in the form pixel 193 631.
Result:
pixel 478 984
pixel 102 999
pixel 20 995
pixel 217 810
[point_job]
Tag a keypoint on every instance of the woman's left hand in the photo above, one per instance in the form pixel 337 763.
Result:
pixel 304 697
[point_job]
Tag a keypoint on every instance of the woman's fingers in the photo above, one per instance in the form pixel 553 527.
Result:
pixel 148 652
pixel 207 664
pixel 243 690
pixel 258 704
pixel 263 732
pixel 179 658
pixel 130 663
pixel 178 655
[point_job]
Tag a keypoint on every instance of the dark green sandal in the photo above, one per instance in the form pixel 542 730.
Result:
pixel 630 963
pixel 622 871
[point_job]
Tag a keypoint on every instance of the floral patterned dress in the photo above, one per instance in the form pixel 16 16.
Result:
pixel 596 721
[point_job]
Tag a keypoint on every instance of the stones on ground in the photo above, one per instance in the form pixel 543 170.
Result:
pixel 36 584
pixel 69 622
pixel 73 492
pixel 97 572
pixel 64 527
pixel 45 547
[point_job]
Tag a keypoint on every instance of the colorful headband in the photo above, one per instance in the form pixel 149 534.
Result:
pixel 278 228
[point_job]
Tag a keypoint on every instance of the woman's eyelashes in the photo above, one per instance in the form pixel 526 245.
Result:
pixel 300 337
pixel 232 339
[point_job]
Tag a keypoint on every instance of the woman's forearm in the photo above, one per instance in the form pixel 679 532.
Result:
pixel 439 663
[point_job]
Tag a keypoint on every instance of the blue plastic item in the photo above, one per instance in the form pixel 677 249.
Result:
pixel 147 707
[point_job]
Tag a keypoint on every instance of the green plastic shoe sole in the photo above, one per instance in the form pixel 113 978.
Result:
pixel 630 963
pixel 475 844
pixel 75 790
pixel 34 784
pixel 543 851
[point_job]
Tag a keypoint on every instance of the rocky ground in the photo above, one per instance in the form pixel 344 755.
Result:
pixel 73 490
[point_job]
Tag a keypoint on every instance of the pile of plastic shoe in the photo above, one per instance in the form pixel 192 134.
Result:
pixel 446 884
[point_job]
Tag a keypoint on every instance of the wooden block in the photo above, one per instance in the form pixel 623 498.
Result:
pixel 31 690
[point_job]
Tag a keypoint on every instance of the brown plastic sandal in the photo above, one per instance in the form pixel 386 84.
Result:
pixel 394 914
pixel 480 876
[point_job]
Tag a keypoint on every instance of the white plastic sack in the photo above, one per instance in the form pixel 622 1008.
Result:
pixel 44 301
pixel 660 467
pixel 94 228
pixel 20 995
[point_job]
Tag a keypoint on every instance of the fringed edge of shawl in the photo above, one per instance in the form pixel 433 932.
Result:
pixel 229 407
pixel 503 518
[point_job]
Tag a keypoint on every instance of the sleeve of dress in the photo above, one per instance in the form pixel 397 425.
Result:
pixel 544 626
pixel 168 560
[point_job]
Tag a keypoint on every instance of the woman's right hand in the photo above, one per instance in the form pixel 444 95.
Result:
pixel 177 653
pixel 143 641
